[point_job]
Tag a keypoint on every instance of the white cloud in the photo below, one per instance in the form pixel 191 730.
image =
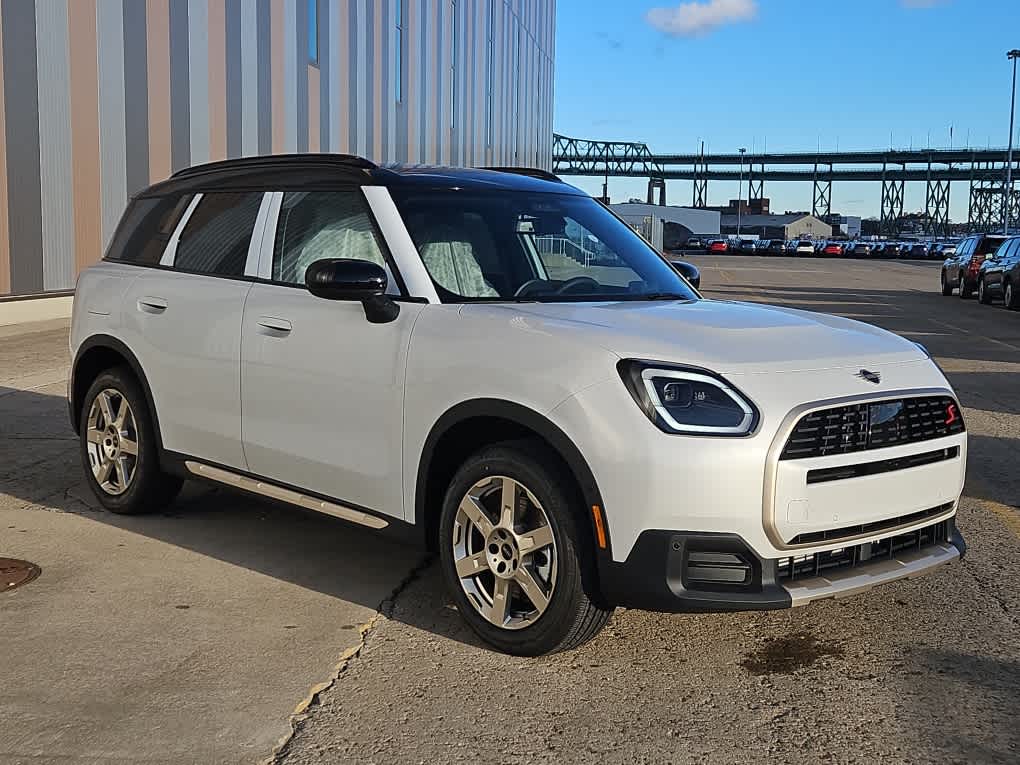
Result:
pixel 695 18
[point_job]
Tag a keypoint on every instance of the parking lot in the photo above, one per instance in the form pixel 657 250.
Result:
pixel 226 628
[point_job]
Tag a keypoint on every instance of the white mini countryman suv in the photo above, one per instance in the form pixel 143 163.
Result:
pixel 491 363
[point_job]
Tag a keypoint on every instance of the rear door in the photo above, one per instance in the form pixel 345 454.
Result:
pixel 322 388
pixel 182 319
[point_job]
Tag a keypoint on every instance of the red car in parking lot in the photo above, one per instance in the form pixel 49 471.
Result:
pixel 833 249
pixel 719 246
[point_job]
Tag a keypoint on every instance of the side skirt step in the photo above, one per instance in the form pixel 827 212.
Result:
pixel 273 491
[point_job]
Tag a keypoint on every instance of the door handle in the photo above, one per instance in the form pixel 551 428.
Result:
pixel 273 327
pixel 155 305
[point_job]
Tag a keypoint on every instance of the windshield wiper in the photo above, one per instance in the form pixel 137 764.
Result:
pixel 662 296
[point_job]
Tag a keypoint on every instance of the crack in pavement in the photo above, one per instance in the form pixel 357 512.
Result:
pixel 303 709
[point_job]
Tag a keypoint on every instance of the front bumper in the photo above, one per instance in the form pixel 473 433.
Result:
pixel 676 572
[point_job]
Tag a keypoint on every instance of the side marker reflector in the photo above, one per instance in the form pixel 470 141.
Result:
pixel 600 529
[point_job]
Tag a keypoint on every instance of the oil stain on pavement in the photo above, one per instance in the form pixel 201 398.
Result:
pixel 786 655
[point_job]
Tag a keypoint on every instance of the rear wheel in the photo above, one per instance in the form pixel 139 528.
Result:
pixel 1011 296
pixel 965 291
pixel 983 296
pixel 947 288
pixel 118 447
pixel 512 554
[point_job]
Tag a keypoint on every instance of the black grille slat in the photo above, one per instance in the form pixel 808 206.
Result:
pixel 861 554
pixel 832 535
pixel 849 429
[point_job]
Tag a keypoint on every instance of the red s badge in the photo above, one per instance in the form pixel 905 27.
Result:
pixel 951 414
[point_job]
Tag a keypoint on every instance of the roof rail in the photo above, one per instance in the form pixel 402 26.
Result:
pixel 272 160
pixel 531 172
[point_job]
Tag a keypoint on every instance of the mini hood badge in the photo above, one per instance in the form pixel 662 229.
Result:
pixel 871 377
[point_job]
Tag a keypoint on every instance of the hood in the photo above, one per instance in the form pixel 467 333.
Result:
pixel 724 336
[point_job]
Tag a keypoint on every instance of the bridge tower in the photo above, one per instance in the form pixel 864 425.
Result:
pixel 936 204
pixel 892 201
pixel 821 196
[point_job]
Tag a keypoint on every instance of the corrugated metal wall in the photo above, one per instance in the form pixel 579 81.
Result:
pixel 102 97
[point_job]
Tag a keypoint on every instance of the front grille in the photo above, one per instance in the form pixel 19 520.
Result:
pixel 818 564
pixel 873 425
pixel 848 532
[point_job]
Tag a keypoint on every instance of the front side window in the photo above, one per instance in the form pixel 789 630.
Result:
pixel 216 237
pixel 322 224
pixel 523 246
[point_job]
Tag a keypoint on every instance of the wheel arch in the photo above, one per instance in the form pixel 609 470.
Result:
pixel 471 425
pixel 96 354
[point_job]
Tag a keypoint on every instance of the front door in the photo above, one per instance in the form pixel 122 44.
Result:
pixel 322 388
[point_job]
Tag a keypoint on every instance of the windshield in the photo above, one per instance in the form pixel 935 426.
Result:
pixel 522 246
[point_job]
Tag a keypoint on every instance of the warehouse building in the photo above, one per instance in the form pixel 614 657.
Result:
pixel 100 98
pixel 666 226
pixel 789 226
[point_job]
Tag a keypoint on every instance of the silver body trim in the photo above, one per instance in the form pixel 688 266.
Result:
pixel 844 583
pixel 256 486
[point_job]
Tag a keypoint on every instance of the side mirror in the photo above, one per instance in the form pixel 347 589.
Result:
pixel 347 279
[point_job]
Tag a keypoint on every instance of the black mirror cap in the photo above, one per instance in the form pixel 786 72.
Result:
pixel 345 279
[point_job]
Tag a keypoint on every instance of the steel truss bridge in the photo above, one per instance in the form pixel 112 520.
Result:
pixel 983 169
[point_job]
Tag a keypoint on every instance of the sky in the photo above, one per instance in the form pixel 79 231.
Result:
pixel 786 75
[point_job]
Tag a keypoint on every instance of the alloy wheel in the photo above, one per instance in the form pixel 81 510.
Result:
pixel 504 552
pixel 112 441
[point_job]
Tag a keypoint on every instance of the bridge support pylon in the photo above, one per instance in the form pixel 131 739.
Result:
pixel 660 184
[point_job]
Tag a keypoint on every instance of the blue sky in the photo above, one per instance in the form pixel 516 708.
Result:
pixel 792 74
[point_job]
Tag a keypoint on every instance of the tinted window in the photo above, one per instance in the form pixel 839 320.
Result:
pixel 322 224
pixel 216 237
pixel 989 244
pixel 146 228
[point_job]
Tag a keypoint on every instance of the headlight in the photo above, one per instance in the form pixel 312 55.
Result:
pixel 689 401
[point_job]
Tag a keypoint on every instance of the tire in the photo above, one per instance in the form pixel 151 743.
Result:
pixel 947 288
pixel 965 291
pixel 1011 296
pixel 134 483
pixel 560 568
pixel 983 296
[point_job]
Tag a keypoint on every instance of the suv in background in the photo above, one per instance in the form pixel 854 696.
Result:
pixel 960 271
pixel 491 364
pixel 999 275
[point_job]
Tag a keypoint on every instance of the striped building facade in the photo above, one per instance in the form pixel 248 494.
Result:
pixel 100 98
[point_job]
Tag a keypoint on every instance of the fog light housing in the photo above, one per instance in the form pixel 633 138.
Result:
pixel 717 568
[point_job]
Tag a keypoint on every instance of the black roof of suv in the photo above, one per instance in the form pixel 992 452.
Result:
pixel 320 171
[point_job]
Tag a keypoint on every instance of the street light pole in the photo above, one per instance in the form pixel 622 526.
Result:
pixel 1007 192
pixel 740 189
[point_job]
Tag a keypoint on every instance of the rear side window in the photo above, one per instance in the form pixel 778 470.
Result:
pixel 216 237
pixel 146 228
pixel 322 224
pixel 989 244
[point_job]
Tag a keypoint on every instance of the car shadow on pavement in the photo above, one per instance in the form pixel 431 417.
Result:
pixel 40 465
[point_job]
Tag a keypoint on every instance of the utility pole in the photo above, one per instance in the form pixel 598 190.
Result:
pixel 1007 192
pixel 740 189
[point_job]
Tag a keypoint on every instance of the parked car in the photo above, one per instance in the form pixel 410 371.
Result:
pixel 890 250
pixel 805 247
pixel 960 270
pixel 914 251
pixel 999 275
pixel 791 246
pixel 687 269
pixel 694 243
pixel 718 246
pixel 747 246
pixel 941 251
pixel 771 246
pixel 860 249
pixel 834 249
pixel 409 350
pixel 761 246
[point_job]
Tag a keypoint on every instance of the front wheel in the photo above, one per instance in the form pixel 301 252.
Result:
pixel 118 447
pixel 947 288
pixel 1011 296
pixel 513 556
